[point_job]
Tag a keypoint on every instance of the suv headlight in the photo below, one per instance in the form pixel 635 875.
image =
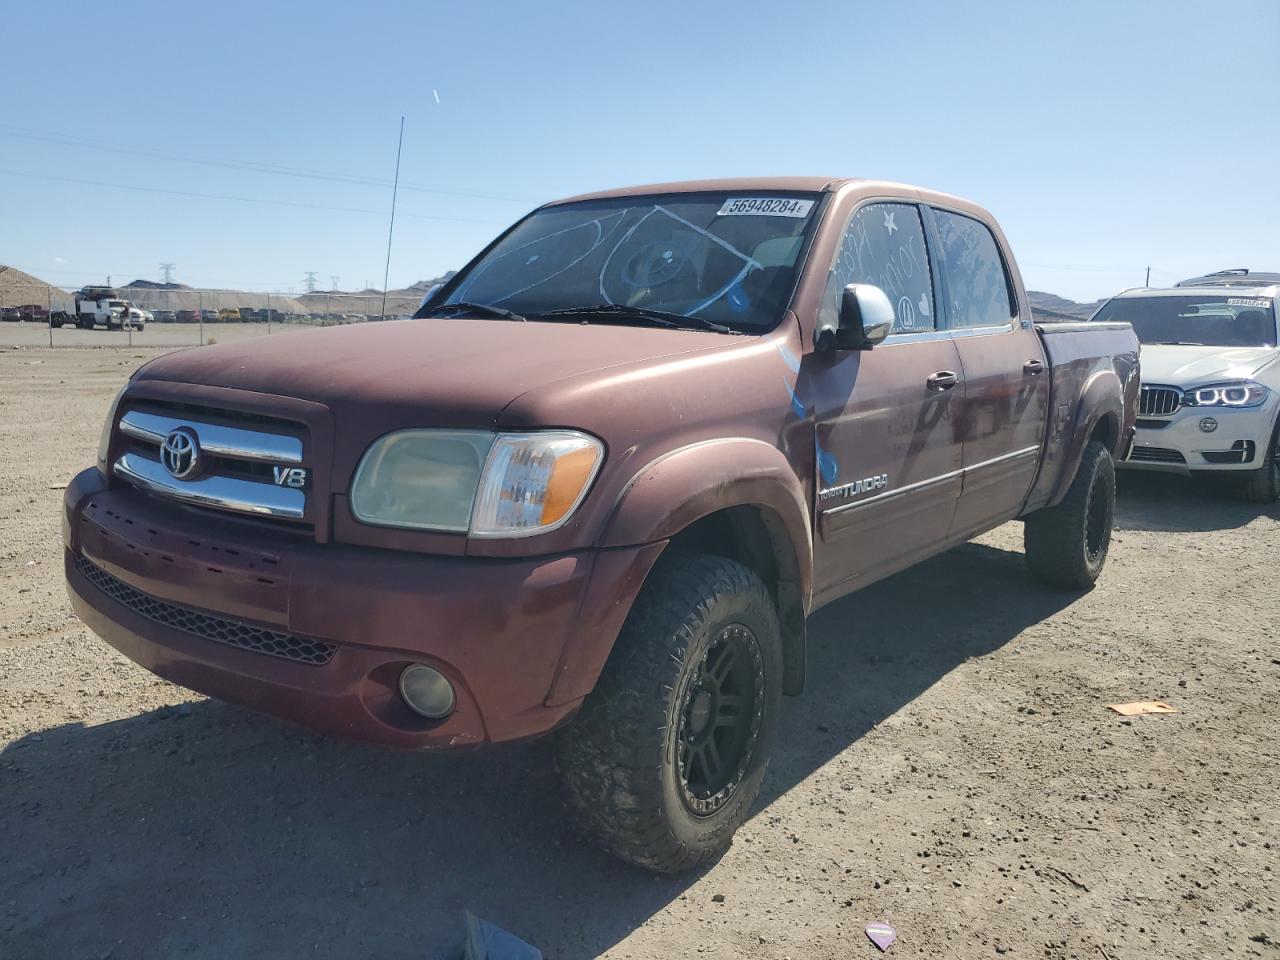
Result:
pixel 1240 393
pixel 485 484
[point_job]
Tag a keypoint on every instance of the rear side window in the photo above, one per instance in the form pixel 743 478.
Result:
pixel 884 245
pixel 976 281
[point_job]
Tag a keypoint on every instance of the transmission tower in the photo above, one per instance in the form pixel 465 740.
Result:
pixel 310 281
pixel 334 278
pixel 167 270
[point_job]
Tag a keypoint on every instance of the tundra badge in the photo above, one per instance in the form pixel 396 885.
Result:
pixel 866 485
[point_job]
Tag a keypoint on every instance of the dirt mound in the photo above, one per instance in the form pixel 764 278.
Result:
pixel 18 288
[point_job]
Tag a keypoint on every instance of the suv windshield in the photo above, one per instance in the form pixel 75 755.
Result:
pixel 1211 321
pixel 718 258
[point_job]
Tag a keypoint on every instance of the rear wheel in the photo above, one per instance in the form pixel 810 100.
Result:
pixel 1067 545
pixel 664 760
pixel 1263 484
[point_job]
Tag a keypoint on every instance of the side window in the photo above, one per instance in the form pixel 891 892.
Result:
pixel 884 245
pixel 976 281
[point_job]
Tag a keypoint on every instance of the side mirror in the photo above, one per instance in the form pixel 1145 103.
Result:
pixel 866 317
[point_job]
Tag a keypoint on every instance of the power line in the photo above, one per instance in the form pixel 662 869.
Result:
pixel 68 140
pixel 220 196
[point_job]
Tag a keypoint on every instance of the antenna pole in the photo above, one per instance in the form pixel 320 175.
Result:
pixel 391 229
pixel 1148 283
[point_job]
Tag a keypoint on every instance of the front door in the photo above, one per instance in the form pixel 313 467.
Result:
pixel 887 447
pixel 1006 379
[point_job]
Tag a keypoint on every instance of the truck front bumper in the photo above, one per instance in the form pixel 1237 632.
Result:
pixel 1239 441
pixel 319 633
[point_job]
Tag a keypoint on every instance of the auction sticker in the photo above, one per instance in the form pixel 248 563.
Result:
pixel 1245 302
pixel 765 207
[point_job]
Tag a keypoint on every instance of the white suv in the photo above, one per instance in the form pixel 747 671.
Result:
pixel 1210 400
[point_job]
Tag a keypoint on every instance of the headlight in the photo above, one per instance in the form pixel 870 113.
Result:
pixel 422 479
pixel 534 481
pixel 1244 393
pixel 490 485
pixel 104 440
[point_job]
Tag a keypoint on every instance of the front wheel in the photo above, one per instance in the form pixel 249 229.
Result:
pixel 1066 545
pixel 665 758
pixel 1263 484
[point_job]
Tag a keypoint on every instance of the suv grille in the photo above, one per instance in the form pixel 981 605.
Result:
pixel 1157 455
pixel 1159 401
pixel 219 629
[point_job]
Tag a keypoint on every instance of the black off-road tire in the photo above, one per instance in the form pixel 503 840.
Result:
pixel 1263 485
pixel 1066 545
pixel 626 760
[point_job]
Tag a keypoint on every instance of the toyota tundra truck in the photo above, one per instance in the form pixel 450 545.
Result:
pixel 600 480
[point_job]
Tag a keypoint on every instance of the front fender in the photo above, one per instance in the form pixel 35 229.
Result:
pixel 683 486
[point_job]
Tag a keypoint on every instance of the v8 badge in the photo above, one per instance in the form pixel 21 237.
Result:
pixel 295 477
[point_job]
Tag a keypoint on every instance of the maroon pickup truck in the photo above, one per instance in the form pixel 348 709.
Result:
pixel 599 482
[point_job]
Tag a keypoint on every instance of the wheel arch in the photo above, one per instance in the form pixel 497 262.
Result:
pixel 738 498
pixel 1099 415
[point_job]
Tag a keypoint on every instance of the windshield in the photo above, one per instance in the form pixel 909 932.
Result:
pixel 726 258
pixel 1211 321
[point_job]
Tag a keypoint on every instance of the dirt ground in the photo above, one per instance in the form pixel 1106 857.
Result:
pixel 951 769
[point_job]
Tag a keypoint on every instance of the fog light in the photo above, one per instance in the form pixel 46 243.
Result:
pixel 426 691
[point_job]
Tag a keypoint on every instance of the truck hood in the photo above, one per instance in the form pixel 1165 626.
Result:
pixel 1190 366
pixel 449 371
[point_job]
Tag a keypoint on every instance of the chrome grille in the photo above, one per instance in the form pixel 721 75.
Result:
pixel 234 633
pixel 238 465
pixel 1156 401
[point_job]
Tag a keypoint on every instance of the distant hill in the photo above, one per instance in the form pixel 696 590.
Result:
pixel 17 289
pixel 1050 306
pixel 369 301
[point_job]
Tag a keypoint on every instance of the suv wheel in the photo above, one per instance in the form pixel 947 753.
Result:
pixel 1067 545
pixel 665 758
pixel 1263 484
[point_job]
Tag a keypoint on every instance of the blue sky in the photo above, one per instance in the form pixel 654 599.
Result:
pixel 1105 136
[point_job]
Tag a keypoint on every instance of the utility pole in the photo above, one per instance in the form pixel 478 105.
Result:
pixel 167 270
pixel 310 281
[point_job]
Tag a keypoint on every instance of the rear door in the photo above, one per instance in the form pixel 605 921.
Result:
pixel 1006 375
pixel 887 447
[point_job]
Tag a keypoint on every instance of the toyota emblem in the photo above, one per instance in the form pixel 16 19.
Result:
pixel 180 453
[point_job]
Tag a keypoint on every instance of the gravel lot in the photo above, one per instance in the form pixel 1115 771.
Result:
pixel 951 769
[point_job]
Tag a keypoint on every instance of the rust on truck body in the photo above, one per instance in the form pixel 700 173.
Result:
pixel 827 468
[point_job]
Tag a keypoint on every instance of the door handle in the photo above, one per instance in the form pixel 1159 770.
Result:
pixel 942 380
pixel 1033 368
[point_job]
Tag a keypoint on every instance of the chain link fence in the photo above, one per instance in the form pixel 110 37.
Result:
pixel 45 315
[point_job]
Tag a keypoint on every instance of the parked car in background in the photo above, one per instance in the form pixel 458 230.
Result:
pixel 598 485
pixel 165 316
pixel 10 315
pixel 229 315
pixel 188 316
pixel 1210 403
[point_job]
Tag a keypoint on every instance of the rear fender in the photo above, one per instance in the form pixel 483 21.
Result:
pixel 1101 398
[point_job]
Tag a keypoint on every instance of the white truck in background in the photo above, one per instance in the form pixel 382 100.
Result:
pixel 101 306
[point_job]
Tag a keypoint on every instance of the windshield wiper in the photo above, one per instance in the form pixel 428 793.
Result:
pixel 661 318
pixel 484 309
